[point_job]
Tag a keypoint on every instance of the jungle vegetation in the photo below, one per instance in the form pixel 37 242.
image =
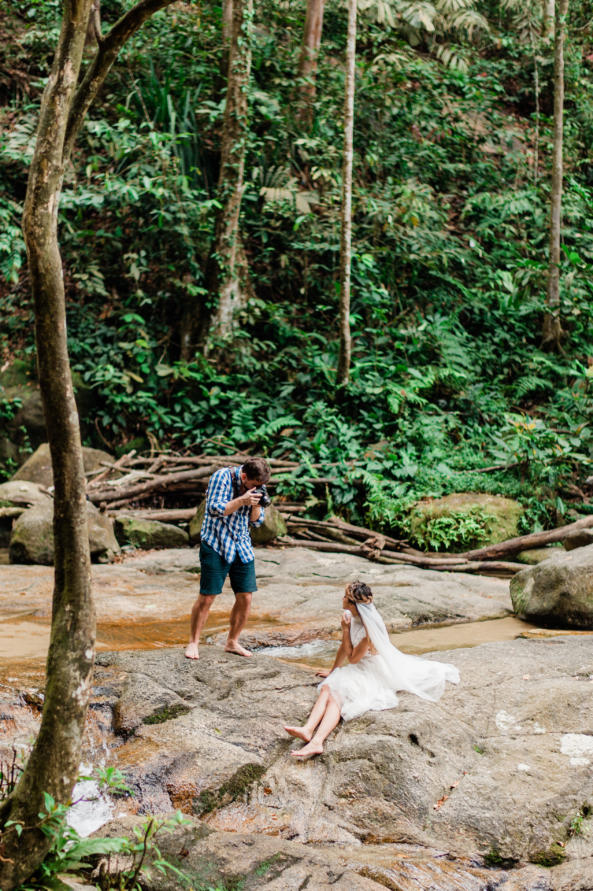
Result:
pixel 450 369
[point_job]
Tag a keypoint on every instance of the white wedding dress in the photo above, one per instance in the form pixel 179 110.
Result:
pixel 371 684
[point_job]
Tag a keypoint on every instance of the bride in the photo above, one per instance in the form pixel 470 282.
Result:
pixel 367 672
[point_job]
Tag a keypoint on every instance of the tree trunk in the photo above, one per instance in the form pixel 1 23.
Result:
pixel 55 758
pixel 308 61
pixel 346 236
pixel 229 277
pixel 548 12
pixel 552 327
pixel 53 764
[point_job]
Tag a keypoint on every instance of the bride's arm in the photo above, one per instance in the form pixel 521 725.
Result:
pixel 343 656
pixel 360 650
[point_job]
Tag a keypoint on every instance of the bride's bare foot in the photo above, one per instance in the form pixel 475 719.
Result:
pixel 299 732
pixel 191 651
pixel 308 751
pixel 234 647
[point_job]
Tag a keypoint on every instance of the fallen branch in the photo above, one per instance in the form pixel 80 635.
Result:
pixel 525 542
pixel 166 515
pixel 449 564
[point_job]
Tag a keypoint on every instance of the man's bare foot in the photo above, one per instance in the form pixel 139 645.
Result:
pixel 191 651
pixel 234 647
pixel 308 751
pixel 299 732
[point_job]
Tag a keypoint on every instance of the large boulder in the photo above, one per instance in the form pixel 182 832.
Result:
pixel 24 427
pixel 271 528
pixel 15 497
pixel 579 538
pixel 37 468
pixel 148 534
pixel 557 592
pixel 32 539
pixel 498 518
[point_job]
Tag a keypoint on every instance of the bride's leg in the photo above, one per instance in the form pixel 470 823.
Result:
pixel 317 712
pixel 328 722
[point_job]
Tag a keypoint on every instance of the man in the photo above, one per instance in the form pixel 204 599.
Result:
pixel 232 506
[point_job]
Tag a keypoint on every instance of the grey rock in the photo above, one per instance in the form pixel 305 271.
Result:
pixel 580 538
pixel 147 534
pixel 15 497
pixel 251 862
pixel 537 555
pixel 37 468
pixel 558 591
pixel 496 771
pixel 272 527
pixel 23 492
pixel 32 539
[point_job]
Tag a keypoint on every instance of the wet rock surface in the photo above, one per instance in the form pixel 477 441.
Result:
pixel 489 788
pixel 497 774
pixel 298 599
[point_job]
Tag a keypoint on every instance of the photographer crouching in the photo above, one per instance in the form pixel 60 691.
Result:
pixel 235 500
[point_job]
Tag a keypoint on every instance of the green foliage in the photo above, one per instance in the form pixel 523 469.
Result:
pixel 70 853
pixel 450 216
pixel 457 530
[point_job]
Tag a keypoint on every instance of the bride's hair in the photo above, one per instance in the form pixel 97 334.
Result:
pixel 358 592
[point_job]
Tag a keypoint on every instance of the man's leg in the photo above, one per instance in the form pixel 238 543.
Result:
pixel 199 614
pixel 238 618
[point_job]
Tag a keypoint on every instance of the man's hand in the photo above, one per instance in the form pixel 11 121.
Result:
pixel 251 498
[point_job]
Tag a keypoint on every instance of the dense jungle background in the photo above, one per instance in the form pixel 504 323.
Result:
pixel 453 387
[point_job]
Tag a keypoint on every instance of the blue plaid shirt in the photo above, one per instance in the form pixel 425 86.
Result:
pixel 228 536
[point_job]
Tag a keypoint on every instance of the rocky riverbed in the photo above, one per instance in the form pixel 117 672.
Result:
pixel 489 788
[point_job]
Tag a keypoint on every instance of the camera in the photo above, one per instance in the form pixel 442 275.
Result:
pixel 265 499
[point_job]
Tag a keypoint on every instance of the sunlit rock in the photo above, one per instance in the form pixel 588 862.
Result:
pixel 558 591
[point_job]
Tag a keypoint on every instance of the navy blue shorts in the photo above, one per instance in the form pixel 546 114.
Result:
pixel 214 570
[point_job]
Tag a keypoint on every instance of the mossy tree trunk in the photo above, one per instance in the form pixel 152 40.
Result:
pixel 552 327
pixel 229 272
pixel 54 760
pixel 346 233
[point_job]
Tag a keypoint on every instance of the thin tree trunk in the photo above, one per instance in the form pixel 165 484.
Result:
pixel 229 276
pixel 346 236
pixel 308 60
pixel 53 764
pixel 54 761
pixel 552 328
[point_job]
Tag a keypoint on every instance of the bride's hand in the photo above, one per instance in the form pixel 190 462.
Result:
pixel 323 673
pixel 346 618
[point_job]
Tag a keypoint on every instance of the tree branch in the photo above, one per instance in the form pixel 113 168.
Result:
pixel 99 68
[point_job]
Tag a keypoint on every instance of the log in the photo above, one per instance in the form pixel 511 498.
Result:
pixel 119 492
pixel 448 564
pixel 166 515
pixel 524 542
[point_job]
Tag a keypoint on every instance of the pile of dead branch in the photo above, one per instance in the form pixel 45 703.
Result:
pixel 131 481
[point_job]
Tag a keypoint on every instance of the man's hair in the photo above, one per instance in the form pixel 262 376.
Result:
pixel 359 592
pixel 257 469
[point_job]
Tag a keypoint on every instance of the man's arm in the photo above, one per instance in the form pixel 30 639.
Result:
pixel 219 502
